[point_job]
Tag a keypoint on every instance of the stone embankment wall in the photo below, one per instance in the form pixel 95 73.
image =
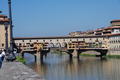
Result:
pixel 17 71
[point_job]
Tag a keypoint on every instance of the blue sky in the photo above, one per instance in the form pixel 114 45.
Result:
pixel 59 17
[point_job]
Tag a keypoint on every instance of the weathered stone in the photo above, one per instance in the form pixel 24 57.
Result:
pixel 17 71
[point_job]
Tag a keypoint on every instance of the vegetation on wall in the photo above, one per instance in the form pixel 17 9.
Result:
pixel 20 59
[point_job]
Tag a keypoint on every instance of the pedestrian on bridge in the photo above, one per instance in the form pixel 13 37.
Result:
pixel 2 55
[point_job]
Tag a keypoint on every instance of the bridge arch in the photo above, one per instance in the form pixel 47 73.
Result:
pixel 98 52
pixel 76 53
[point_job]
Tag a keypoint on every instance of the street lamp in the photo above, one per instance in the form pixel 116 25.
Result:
pixel 11 55
pixel 11 26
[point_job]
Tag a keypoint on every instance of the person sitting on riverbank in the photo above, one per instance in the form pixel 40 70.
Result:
pixel 2 55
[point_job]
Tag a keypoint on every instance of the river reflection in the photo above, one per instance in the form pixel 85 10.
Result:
pixel 60 67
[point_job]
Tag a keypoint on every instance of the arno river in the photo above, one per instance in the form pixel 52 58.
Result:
pixel 60 67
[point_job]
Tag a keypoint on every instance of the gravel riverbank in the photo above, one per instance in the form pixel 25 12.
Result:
pixel 17 71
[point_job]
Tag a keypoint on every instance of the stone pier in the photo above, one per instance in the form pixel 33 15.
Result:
pixel 38 57
pixel 75 53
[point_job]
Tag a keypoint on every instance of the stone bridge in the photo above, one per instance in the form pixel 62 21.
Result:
pixel 71 45
pixel 61 41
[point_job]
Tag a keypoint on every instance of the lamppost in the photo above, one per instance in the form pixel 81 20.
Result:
pixel 11 26
pixel 11 55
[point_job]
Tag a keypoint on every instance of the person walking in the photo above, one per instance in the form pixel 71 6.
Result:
pixel 2 55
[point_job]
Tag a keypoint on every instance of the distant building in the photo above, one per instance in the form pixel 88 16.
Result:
pixel 114 43
pixel 115 22
pixel 114 28
pixel 77 33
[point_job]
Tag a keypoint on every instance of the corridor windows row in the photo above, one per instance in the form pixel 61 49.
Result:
pixel 115 47
pixel 114 41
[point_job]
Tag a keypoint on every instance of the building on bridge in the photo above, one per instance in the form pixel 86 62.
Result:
pixel 61 41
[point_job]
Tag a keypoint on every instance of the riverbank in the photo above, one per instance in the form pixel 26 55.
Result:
pixel 107 56
pixel 17 71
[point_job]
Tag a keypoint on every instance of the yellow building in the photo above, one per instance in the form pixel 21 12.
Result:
pixel 3 21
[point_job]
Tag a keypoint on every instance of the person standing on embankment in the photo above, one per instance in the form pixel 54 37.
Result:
pixel 2 55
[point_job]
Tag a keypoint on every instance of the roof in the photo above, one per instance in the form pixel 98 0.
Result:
pixel 4 20
pixel 112 27
pixel 116 20
pixel 57 37
pixel 117 34
pixel 3 16
pixel 98 29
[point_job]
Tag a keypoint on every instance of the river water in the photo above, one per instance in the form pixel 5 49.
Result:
pixel 60 67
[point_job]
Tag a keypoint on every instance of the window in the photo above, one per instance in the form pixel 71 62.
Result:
pixel 77 39
pixel 96 40
pixel 20 44
pixel 37 40
pixel 22 40
pixel 83 39
pixel 43 40
pixel 2 44
pixel 118 41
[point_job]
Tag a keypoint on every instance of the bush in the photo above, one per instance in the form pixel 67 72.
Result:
pixel 88 55
pixel 113 56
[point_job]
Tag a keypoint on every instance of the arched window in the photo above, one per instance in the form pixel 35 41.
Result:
pixel 22 40
pixel 43 40
pixel 29 40
pixel 37 40
pixel 77 39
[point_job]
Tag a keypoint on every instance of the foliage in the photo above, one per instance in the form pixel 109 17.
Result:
pixel 20 59
pixel 87 55
pixel 107 56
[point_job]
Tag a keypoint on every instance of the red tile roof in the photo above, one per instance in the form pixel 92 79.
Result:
pixel 112 27
pixel 3 16
pixel 98 29
pixel 117 20
pixel 117 34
